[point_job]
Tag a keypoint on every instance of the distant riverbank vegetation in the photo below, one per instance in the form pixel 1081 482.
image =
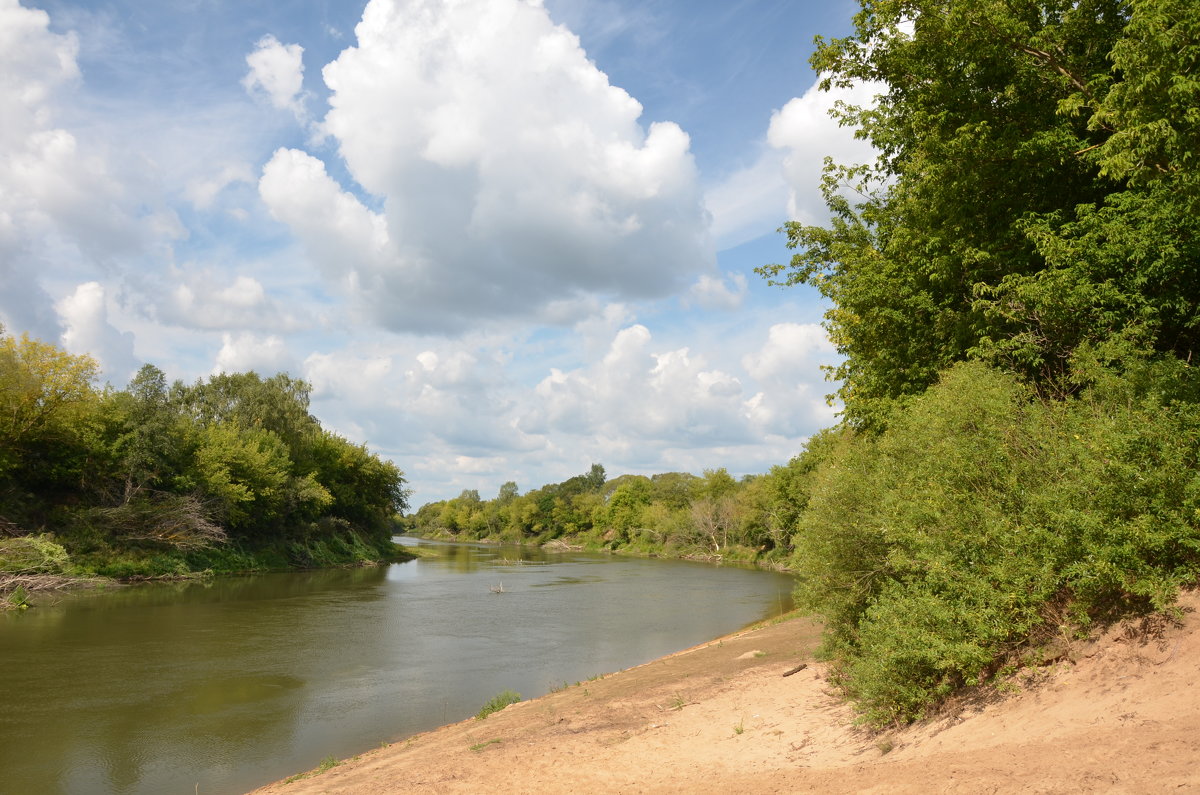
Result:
pixel 157 480
pixel 1014 293
pixel 711 517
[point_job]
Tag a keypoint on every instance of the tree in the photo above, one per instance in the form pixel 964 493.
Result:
pixel 48 421
pixel 595 477
pixel 625 506
pixel 149 443
pixel 247 472
pixel 1033 195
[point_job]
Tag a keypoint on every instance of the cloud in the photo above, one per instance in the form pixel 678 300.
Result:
pixel 203 191
pixel 509 174
pixel 784 180
pixel 450 400
pixel 712 293
pixel 85 316
pixel 64 211
pixel 749 202
pixel 277 72
pixel 791 400
pixel 655 404
pixel 635 393
pixel 33 63
pixel 346 239
pixel 205 299
pixel 245 351
pixel 804 130
pixel 461 413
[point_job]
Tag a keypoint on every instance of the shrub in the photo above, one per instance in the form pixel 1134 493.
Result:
pixel 39 554
pixel 937 548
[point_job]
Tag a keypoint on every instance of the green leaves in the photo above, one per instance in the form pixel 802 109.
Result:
pixel 173 469
pixel 937 548
pixel 1036 190
pixel 246 471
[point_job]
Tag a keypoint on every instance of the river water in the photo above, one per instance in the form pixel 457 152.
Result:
pixel 225 685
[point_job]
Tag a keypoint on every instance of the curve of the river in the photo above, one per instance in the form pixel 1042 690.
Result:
pixel 220 686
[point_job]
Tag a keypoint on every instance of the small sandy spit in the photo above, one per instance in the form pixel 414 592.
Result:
pixel 1120 713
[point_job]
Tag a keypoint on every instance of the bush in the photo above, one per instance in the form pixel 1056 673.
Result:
pixel 937 548
pixel 39 554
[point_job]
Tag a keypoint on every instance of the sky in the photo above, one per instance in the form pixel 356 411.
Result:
pixel 501 239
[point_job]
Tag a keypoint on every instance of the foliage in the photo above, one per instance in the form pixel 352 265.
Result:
pixel 1013 286
pixel 713 517
pixel 39 554
pixel 938 547
pixel 497 703
pixel 138 482
pixel 1035 191
pixel 47 418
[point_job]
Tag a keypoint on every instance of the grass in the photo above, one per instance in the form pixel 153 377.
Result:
pixel 485 744
pixel 677 703
pixel 740 727
pixel 497 703
pixel 328 763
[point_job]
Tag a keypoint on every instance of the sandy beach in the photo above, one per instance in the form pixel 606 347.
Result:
pixel 1118 713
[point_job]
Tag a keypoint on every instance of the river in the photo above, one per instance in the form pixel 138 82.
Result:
pixel 224 685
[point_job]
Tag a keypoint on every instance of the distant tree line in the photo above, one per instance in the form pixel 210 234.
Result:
pixel 713 516
pixel 159 478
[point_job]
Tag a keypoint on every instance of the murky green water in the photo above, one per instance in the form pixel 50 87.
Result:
pixel 223 686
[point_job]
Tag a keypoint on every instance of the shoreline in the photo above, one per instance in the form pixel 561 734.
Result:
pixel 1120 712
pixel 692 672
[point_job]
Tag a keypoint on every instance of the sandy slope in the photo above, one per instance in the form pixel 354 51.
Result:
pixel 1118 715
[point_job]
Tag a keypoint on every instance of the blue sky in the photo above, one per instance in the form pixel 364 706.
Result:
pixel 502 239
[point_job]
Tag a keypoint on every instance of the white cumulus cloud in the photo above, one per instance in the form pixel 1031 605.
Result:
pixel 85 315
pixel 710 292
pixel 787 368
pixel 806 133
pixel 510 175
pixel 784 180
pixel 201 298
pixel 264 354
pixel 277 72
pixel 634 392
pixel 64 209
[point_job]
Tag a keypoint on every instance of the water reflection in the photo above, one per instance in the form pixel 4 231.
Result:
pixel 229 683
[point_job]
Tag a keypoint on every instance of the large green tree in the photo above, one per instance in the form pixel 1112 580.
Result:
pixel 48 418
pixel 1035 191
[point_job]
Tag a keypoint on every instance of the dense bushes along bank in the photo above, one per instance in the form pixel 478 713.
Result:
pixel 232 473
pixel 1013 285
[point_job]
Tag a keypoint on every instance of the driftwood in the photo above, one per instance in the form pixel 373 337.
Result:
pixel 796 670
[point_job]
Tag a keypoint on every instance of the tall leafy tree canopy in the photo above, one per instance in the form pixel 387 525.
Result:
pixel 1035 191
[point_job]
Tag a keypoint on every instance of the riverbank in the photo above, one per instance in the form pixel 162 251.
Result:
pixel 734 554
pixel 34 567
pixel 1118 713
